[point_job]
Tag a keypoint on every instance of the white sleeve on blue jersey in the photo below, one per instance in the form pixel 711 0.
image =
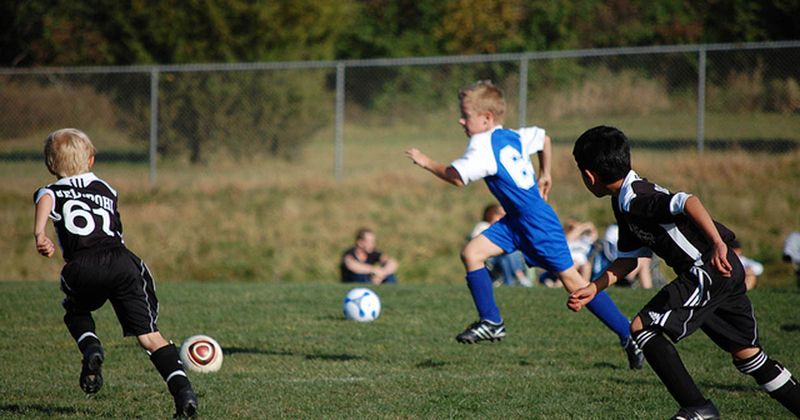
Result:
pixel 478 160
pixel 532 139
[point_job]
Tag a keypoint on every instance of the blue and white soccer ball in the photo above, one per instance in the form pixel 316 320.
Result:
pixel 362 305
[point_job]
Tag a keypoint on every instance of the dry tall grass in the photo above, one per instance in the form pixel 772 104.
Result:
pixel 270 220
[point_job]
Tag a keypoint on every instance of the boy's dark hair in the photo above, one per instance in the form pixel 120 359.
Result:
pixel 605 151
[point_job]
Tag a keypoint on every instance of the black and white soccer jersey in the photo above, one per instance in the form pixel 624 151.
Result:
pixel 651 219
pixel 84 214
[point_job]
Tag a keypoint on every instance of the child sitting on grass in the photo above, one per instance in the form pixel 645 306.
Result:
pixel 98 267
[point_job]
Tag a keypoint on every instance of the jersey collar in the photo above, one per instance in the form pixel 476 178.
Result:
pixel 84 178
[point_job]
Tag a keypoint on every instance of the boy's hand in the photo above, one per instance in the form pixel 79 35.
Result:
pixel 418 157
pixel 545 184
pixel 581 297
pixel 719 259
pixel 45 246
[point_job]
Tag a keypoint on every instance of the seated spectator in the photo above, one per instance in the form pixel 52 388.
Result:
pixel 581 237
pixel 646 271
pixel 752 268
pixel 364 264
pixel 508 269
pixel 791 253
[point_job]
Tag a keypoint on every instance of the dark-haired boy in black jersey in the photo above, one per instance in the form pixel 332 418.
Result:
pixel 709 292
pixel 98 267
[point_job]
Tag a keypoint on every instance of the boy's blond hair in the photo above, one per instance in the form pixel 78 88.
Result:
pixel 483 96
pixel 68 152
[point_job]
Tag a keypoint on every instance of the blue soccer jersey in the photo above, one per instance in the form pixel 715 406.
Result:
pixel 501 158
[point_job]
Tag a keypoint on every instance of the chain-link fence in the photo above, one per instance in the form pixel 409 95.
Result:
pixel 705 97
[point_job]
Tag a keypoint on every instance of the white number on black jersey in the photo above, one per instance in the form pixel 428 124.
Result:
pixel 78 218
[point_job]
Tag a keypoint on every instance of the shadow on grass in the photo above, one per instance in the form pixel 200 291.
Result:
pixel 791 327
pixel 334 357
pixel 606 365
pixel 431 364
pixel 324 357
pixel 253 350
pixel 17 410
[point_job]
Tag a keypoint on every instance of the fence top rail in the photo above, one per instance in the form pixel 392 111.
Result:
pixel 382 62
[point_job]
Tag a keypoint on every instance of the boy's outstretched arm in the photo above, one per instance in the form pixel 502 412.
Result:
pixel 446 173
pixel 698 214
pixel 44 245
pixel 545 179
pixel 618 269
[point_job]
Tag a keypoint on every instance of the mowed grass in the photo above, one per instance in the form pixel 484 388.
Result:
pixel 290 354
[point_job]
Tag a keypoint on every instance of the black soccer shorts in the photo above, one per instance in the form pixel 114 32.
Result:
pixel 116 275
pixel 702 298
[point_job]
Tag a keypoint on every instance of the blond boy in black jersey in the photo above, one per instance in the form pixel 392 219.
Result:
pixel 98 267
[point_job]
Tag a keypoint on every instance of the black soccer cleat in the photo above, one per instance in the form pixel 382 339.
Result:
pixel 481 331
pixel 634 353
pixel 707 411
pixel 92 370
pixel 185 403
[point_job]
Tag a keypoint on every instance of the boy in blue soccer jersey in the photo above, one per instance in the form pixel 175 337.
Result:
pixel 502 158
pixel 709 291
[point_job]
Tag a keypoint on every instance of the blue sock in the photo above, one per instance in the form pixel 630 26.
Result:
pixel 480 286
pixel 606 311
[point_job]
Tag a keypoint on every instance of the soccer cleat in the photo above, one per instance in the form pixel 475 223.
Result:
pixel 706 411
pixel 91 370
pixel 185 403
pixel 482 330
pixel 634 353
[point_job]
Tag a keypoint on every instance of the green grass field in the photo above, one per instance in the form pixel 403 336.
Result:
pixel 289 353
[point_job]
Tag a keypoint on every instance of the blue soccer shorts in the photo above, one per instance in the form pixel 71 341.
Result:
pixel 538 236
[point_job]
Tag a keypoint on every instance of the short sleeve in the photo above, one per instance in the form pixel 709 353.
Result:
pixel 41 192
pixel 655 203
pixel 532 139
pixel 478 160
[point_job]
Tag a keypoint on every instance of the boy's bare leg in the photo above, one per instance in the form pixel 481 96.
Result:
pixel 572 279
pixel 490 326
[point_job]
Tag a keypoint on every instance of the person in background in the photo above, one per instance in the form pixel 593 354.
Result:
pixel 363 263
pixel 581 237
pixel 752 268
pixel 791 253
pixel 507 269
pixel 608 253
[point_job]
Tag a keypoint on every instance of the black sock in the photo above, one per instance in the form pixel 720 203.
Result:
pixel 168 364
pixel 775 379
pixel 665 361
pixel 81 327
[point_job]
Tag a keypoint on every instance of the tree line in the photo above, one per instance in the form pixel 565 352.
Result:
pixel 277 112
pixel 108 32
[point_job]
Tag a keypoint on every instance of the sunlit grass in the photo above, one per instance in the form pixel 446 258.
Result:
pixel 289 353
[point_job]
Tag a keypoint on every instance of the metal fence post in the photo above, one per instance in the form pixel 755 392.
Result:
pixel 339 119
pixel 523 92
pixel 701 98
pixel 153 124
